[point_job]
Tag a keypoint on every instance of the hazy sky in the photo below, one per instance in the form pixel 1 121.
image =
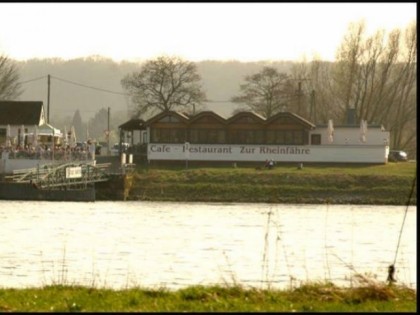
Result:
pixel 199 31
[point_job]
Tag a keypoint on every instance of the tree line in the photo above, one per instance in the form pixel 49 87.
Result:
pixel 374 74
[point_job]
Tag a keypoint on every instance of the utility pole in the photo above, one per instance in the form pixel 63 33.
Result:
pixel 313 108
pixel 109 114
pixel 48 99
pixel 299 92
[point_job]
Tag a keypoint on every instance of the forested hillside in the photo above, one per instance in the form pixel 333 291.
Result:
pixel 82 90
pixel 91 85
pixel 83 83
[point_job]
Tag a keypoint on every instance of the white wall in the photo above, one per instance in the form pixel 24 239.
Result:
pixel 309 153
pixel 7 166
pixel 346 147
pixel 351 136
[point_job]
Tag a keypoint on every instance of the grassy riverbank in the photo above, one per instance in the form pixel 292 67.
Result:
pixel 310 297
pixel 388 184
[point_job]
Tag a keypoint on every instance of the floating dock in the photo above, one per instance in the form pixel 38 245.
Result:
pixel 57 182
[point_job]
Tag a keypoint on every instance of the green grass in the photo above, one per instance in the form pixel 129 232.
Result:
pixel 356 184
pixel 401 168
pixel 316 297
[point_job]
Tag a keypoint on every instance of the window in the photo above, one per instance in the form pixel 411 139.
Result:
pixel 170 118
pixel 207 136
pixel 168 135
pixel 275 137
pixel 259 136
pixel 298 137
pixel 315 139
pixel 216 136
pixel 270 137
pixel 246 136
pixel 194 137
pixel 2 135
pixel 288 137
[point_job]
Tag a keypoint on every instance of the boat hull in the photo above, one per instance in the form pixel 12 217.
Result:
pixel 25 191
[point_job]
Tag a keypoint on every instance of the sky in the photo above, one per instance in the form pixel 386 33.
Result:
pixel 193 31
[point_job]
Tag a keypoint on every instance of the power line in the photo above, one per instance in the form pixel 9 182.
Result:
pixel 33 80
pixel 120 93
pixel 287 96
pixel 104 90
pixel 218 101
pixel 90 87
pixel 80 110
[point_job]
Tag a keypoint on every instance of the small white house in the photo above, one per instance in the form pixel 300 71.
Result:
pixel 20 121
pixel 19 118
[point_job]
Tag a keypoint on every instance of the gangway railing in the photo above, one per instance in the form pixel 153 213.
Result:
pixel 67 175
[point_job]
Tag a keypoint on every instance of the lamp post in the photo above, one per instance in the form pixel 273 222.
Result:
pixel 53 145
pixel 187 153
pixel 107 131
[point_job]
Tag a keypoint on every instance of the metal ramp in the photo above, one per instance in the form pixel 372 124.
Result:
pixel 74 175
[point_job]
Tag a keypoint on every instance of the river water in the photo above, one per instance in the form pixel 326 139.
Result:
pixel 174 245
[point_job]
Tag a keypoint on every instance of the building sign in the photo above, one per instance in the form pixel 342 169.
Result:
pixel 74 172
pixel 278 153
pixel 222 152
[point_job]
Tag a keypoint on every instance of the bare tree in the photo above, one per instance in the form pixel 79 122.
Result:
pixel 265 92
pixel 404 106
pixel 378 79
pixel 165 83
pixel 78 125
pixel 10 87
pixel 375 75
pixel 315 100
pixel 383 85
pixel 300 99
pixel 346 70
pixel 98 124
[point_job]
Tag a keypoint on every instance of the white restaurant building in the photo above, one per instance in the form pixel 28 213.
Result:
pixel 249 137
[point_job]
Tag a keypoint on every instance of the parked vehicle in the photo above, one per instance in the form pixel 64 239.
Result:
pixel 98 149
pixel 397 156
pixel 81 145
pixel 84 146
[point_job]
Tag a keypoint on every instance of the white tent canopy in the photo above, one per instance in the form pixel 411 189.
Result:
pixel 330 131
pixel 48 130
pixel 65 137
pixel 8 137
pixel 35 136
pixel 363 130
pixel 22 136
pixel 73 138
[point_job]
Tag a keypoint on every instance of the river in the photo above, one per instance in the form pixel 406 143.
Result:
pixel 174 245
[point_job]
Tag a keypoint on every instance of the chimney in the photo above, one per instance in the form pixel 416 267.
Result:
pixel 351 116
